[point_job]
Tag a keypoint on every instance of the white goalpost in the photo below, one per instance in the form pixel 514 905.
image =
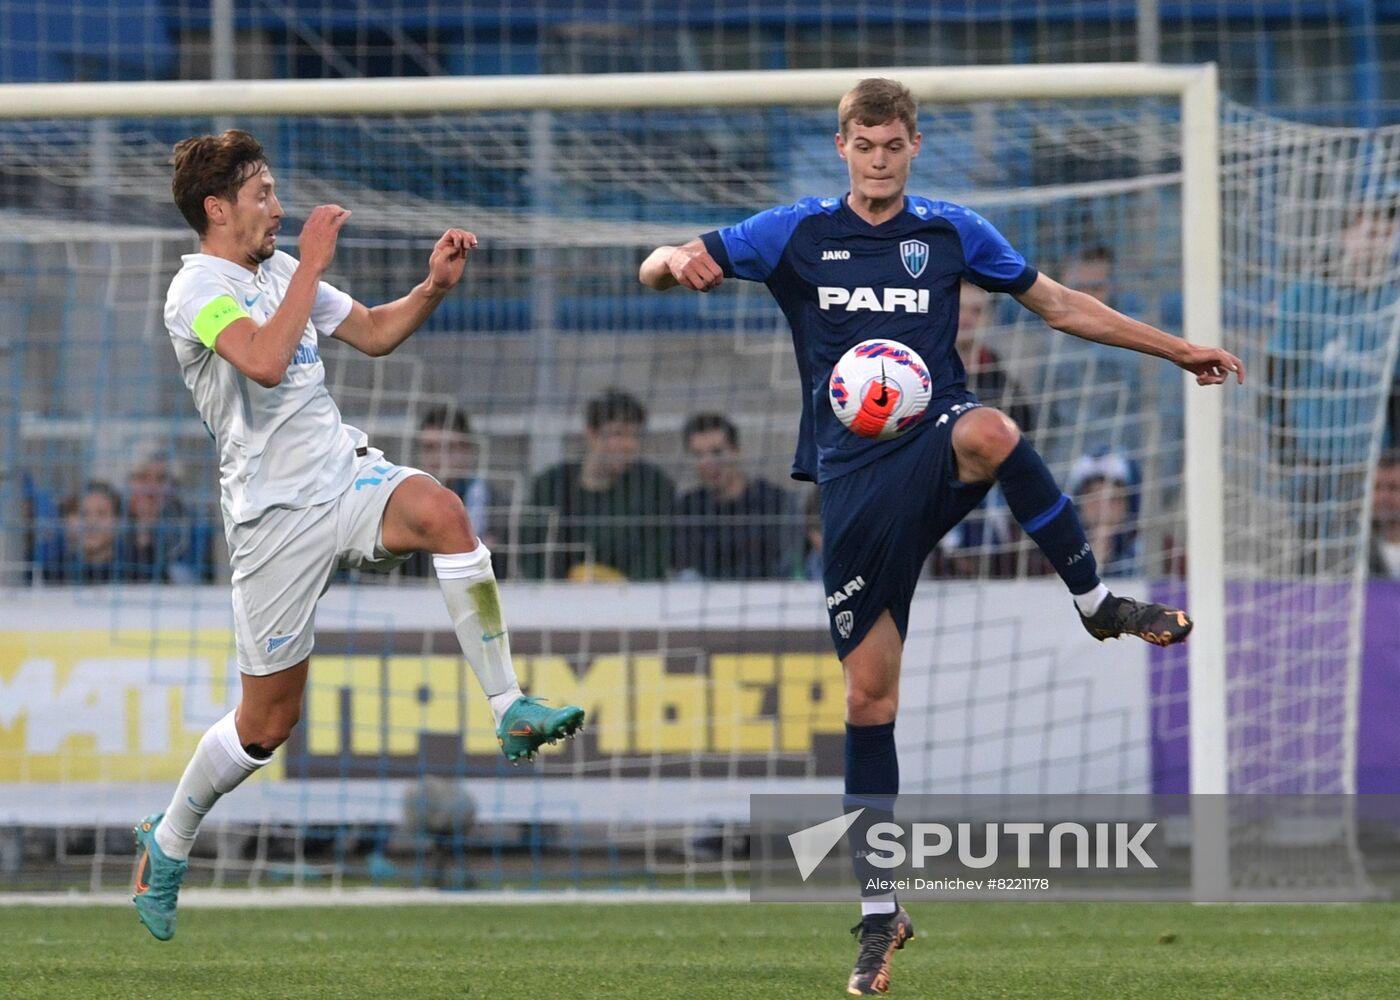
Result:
pixel 707 690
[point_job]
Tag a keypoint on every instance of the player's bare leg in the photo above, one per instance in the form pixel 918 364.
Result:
pixel 872 781
pixel 872 675
pixel 422 516
pixel 270 708
pixel 989 446
pixel 233 748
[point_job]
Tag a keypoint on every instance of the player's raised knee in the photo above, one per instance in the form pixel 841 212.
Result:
pixel 424 515
pixel 442 509
pixel 986 433
pixel 982 440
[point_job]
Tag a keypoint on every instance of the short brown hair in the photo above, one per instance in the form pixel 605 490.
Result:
pixel 212 164
pixel 445 418
pixel 702 423
pixel 875 101
pixel 614 406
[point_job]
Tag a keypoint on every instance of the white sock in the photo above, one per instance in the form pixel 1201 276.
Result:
pixel 1089 602
pixel 501 702
pixel 877 906
pixel 219 765
pixel 474 602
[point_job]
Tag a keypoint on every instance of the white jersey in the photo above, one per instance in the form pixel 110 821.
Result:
pixel 279 447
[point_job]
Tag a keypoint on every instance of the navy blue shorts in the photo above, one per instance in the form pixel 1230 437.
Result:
pixel 881 521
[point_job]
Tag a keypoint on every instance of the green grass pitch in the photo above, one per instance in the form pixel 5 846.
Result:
pixel 966 950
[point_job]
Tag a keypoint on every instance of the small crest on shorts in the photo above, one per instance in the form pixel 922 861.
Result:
pixel 845 622
pixel 914 253
pixel 276 642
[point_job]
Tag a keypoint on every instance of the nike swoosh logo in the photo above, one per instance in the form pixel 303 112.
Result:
pixel 249 301
pixel 396 475
pixel 202 810
pixel 495 635
pixel 142 867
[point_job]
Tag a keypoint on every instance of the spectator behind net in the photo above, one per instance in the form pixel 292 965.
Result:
pixel 607 516
pixel 445 449
pixel 165 542
pixel 92 549
pixel 731 526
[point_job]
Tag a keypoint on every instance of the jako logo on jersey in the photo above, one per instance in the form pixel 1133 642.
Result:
pixel 888 300
pixel 836 255
pixel 914 253
pixel 840 596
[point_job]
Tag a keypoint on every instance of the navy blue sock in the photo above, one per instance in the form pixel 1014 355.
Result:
pixel 872 782
pixel 1048 516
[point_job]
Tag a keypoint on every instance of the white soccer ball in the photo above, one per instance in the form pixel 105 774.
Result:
pixel 879 389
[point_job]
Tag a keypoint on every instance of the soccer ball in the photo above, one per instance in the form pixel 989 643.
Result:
pixel 879 389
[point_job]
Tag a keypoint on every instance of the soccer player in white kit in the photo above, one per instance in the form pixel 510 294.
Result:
pixel 303 493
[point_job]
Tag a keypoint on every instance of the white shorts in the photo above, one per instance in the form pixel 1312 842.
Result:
pixel 284 559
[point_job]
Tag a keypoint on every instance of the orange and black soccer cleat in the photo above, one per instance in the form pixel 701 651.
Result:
pixel 1154 623
pixel 880 936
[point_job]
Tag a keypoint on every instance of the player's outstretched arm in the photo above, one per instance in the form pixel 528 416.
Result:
pixel 1084 316
pixel 262 353
pixel 689 266
pixel 379 330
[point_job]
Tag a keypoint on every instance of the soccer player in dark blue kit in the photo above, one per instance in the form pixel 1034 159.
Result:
pixel 877 263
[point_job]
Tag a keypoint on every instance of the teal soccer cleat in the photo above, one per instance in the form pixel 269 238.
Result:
pixel 527 724
pixel 158 880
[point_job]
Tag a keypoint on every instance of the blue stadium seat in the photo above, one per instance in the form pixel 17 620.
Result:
pixel 132 40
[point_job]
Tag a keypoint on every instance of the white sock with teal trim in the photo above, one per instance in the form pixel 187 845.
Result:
pixel 219 765
pixel 474 602
pixel 1089 602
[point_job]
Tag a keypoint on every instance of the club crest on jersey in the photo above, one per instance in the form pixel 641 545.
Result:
pixel 914 253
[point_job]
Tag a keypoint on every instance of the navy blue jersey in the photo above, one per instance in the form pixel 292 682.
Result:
pixel 840 280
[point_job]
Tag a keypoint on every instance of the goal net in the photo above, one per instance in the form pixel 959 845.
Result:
pixel 707 673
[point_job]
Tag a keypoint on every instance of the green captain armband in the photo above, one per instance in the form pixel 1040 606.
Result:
pixel 214 318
